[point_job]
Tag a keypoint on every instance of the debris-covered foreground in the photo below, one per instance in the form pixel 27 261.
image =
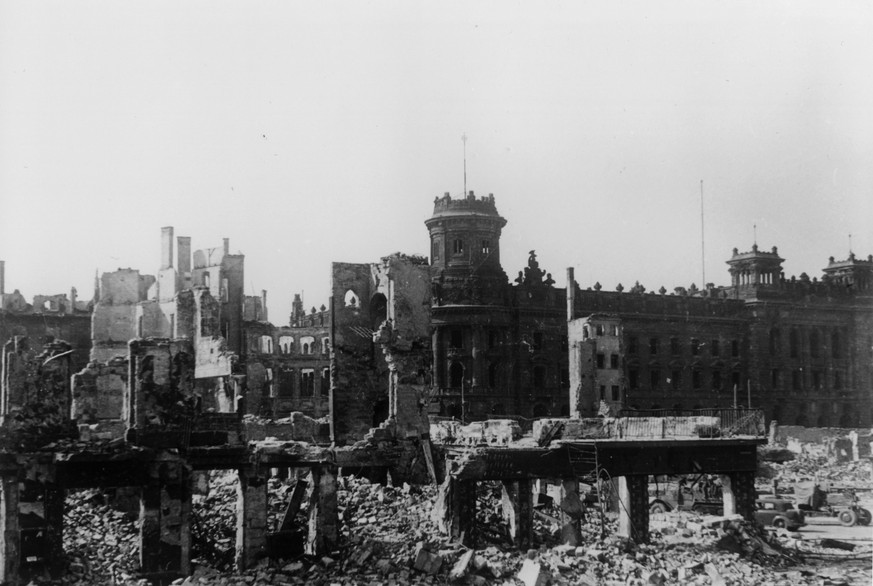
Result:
pixel 390 538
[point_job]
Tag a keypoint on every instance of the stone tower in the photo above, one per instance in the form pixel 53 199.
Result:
pixel 465 250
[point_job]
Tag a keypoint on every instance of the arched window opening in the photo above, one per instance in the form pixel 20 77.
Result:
pixel 266 346
pixel 206 278
pixel 286 344
pixel 351 299
pixel 307 345
pixel 456 375
pixel 378 310
pixel 458 246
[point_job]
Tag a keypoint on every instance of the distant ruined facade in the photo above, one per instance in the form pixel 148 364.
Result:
pixel 451 335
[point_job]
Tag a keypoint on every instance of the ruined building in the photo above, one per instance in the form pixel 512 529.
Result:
pixel 46 319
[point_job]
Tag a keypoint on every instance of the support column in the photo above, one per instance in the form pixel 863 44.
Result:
pixel 165 532
pixel 463 497
pixel 10 548
pixel 251 519
pixel 633 507
pixel 738 494
pixel 518 511
pixel 323 515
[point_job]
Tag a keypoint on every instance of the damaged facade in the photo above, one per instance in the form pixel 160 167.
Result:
pixel 800 349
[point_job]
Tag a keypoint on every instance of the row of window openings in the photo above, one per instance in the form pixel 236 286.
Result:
pixel 308 345
pixel 456 376
pixel 305 382
pixel 676 346
pixel 459 246
pixel 456 340
pixel 675 380
pixel 817 380
pixel 815 344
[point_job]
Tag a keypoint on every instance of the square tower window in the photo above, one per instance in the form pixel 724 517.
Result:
pixel 486 247
pixel 458 246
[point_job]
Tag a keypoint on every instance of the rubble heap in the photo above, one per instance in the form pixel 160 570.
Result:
pixel 389 538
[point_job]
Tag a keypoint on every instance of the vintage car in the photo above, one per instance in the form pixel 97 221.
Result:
pixel 778 513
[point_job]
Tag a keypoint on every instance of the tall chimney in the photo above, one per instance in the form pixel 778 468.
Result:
pixel 167 247
pixel 571 293
pixel 264 305
pixel 184 264
pixel 227 246
pixel 2 277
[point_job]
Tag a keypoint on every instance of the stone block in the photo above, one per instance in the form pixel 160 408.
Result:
pixel 533 574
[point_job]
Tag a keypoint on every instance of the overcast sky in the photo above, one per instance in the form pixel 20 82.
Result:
pixel 312 132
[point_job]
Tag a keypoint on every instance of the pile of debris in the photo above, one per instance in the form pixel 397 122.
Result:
pixel 388 537
pixel 101 542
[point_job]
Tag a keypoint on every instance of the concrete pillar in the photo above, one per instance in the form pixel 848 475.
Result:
pixel 323 514
pixel 463 503
pixel 10 547
pixel 633 508
pixel 251 519
pixel 738 494
pixel 165 531
pixel 518 511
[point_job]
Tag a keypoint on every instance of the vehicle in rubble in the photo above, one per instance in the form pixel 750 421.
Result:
pixel 701 494
pixel 815 502
pixel 777 512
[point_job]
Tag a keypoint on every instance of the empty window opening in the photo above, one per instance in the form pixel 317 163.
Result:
pixel 615 393
pixel 307 345
pixel 674 346
pixel 676 380
pixel 633 379
pixel 286 344
pixel 695 347
pixel 613 361
pixel 696 379
pixel 456 339
pixel 286 383
pixel 653 345
pixel 486 247
pixel 599 329
pixel 307 382
pixel 351 299
pixel 458 246
pixel 378 310
pixel 735 348
pixel 585 333
pixel 632 345
pixel 266 346
pixel 714 348
pixel 456 375
pixel 655 379
pixel 600 359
